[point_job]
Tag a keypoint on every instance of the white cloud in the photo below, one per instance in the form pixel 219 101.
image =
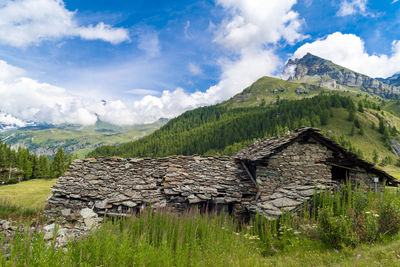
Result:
pixel 349 51
pixel 140 91
pixel 186 30
pixel 27 22
pixel 148 42
pixel 103 32
pixel 195 69
pixel 352 7
pixel 257 22
pixel 9 119
pixel 248 35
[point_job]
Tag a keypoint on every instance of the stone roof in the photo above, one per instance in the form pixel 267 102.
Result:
pixel 266 147
pixel 262 149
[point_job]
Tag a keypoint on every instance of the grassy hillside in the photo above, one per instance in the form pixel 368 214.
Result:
pixel 30 194
pixel 75 138
pixel 270 107
pixel 267 90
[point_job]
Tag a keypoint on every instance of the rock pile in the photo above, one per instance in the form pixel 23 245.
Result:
pixel 71 226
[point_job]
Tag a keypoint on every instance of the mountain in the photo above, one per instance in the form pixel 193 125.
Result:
pixel 315 70
pixel 346 109
pixel 9 122
pixel 45 139
pixel 392 80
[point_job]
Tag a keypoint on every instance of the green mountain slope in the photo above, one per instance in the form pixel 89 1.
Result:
pixel 267 90
pixel 267 108
pixel 45 140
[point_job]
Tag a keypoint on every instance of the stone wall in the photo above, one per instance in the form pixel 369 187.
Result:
pixel 121 186
pixel 299 163
pixel 291 176
pixel 359 176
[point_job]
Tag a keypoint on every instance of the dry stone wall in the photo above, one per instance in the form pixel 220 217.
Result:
pixel 290 177
pixel 297 164
pixel 121 186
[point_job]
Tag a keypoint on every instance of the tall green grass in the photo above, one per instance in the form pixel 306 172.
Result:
pixel 341 220
pixel 156 238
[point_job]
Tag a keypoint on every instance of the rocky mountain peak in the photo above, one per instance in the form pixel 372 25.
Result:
pixel 311 68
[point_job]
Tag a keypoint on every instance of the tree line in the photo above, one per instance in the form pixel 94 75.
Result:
pixel 20 164
pixel 223 130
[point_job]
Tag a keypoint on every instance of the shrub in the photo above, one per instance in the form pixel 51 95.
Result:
pixel 389 219
pixel 335 231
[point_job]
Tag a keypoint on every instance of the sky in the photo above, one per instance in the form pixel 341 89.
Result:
pixel 133 62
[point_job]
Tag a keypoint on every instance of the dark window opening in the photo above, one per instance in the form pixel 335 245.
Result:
pixel 210 207
pixel 339 174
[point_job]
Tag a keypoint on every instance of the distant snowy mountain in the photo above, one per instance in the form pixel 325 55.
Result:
pixel 9 122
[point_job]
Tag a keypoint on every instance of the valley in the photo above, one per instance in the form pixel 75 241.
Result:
pixel 76 139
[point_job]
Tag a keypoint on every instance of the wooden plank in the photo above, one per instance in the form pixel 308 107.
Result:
pixel 252 179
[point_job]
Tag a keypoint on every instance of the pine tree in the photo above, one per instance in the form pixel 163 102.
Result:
pixel 352 130
pixel 44 168
pixel 361 132
pixel 360 107
pixel 357 123
pixel 382 126
pixel 375 156
pixel 351 116
pixel 59 163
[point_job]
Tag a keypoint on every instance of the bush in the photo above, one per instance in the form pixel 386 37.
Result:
pixel 335 231
pixel 389 219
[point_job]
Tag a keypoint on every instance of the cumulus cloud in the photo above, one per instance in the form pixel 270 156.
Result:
pixel 257 22
pixel 11 120
pixel 349 51
pixel 27 22
pixel 140 91
pixel 248 35
pixel 352 7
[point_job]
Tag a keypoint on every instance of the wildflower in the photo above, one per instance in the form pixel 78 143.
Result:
pixel 376 215
pixel 367 212
pixel 296 232
pixel 26 244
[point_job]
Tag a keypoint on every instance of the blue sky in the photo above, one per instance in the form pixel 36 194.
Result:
pixel 152 59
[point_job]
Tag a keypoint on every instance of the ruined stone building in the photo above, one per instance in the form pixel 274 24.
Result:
pixel 268 177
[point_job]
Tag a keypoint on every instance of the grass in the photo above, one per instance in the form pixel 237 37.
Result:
pixel 315 254
pixel 28 194
pixel 263 89
pixel 371 139
pixel 163 238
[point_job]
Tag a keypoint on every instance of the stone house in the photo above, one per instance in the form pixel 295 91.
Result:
pixel 268 177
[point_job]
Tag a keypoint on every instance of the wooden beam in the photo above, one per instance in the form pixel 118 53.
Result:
pixel 338 165
pixel 252 179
